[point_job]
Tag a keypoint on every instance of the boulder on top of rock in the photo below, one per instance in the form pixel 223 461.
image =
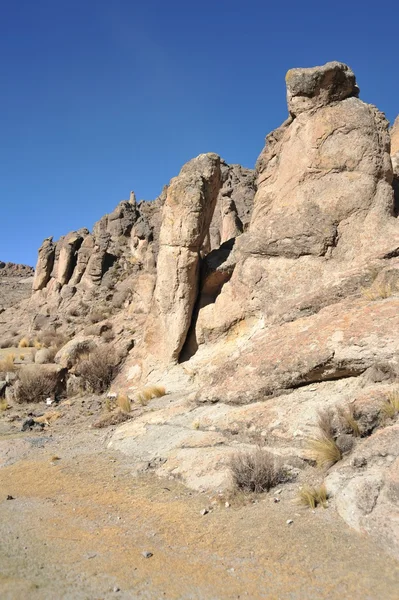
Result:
pixel 318 86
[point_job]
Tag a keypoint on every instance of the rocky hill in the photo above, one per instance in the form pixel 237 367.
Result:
pixel 15 283
pixel 260 300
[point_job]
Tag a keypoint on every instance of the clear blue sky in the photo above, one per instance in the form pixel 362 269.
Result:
pixel 100 97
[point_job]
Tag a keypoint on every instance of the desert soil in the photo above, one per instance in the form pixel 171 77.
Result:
pixel 79 522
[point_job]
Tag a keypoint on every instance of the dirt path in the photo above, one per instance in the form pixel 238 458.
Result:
pixel 77 528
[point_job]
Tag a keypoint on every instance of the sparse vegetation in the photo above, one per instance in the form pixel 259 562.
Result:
pixel 3 404
pixel 7 364
pixel 313 496
pixel 37 345
pixel 390 406
pixel 150 392
pixel 325 422
pixel 97 315
pixel 24 343
pixel 324 450
pixel 33 385
pixel 98 368
pixel 255 471
pixel 349 420
pixel 123 402
pixel 378 291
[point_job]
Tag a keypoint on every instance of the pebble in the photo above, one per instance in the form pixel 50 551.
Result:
pixel 289 521
pixel 278 491
pixel 147 554
pixel 116 589
pixel 204 511
pixel 227 504
pixel 10 497
pixel 276 499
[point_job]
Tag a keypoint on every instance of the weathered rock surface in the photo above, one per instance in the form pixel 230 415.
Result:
pixel 45 263
pixel 253 319
pixel 187 214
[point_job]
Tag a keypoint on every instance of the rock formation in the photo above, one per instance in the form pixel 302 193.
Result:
pixel 255 298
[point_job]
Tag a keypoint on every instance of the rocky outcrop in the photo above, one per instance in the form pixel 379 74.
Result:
pixel 323 211
pixel 15 270
pixel 187 214
pixel 45 263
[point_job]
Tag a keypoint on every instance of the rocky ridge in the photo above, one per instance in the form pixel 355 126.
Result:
pixel 256 299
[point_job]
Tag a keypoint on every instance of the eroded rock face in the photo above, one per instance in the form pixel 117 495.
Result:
pixel 187 214
pixel 44 265
pixel 323 210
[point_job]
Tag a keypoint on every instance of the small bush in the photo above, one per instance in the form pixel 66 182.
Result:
pixel 123 402
pixel 37 345
pixel 7 364
pixel 3 404
pixel 348 419
pixel 313 496
pixel 96 316
pixel 98 369
pixel 390 406
pixel 24 343
pixel 255 471
pixel 324 450
pixel 325 422
pixel 33 385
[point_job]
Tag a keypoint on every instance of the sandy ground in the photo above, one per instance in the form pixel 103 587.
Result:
pixel 79 522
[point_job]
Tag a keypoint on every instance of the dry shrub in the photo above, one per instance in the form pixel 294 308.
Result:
pixel 97 315
pixel 378 291
pixel 150 392
pixel 33 385
pixel 390 406
pixel 3 404
pixel 255 471
pixel 7 364
pixel 325 422
pixel 324 450
pixel 313 496
pixel 123 402
pixel 348 419
pixel 37 345
pixel 51 339
pixel 98 369
pixel 24 343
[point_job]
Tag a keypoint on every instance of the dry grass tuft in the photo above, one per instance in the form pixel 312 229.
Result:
pixel 7 364
pixel 150 392
pixel 48 417
pixel 324 450
pixel 325 422
pixel 313 496
pixel 390 406
pixel 3 404
pixel 33 385
pixel 348 419
pixel 123 402
pixel 255 471
pixel 24 343
pixel 37 345
pixel 98 369
pixel 378 291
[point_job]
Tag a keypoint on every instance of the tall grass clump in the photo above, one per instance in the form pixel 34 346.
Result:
pixel 255 471
pixel 98 368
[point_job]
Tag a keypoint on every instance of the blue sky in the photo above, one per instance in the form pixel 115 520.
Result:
pixel 101 97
